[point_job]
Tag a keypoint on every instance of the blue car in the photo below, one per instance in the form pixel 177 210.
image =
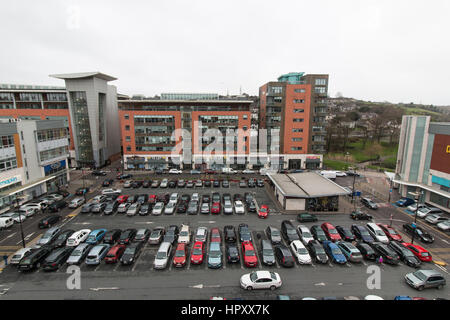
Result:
pixel 404 202
pixel 96 236
pixel 402 298
pixel 334 252
pixel 361 233
pixel 214 256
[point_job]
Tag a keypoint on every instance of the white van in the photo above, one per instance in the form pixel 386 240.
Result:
pixel 163 255
pixel 229 170
pixel 78 237
pixel 6 223
pixel 328 174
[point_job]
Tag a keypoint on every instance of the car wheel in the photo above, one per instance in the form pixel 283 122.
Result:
pixel 420 288
pixel 249 288
pixel 272 288
pixel 439 287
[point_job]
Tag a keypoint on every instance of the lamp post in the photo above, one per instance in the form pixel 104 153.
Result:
pixel 20 221
pixel 417 198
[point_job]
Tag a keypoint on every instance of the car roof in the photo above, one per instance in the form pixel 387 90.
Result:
pixel 430 273
pixel 97 248
pixel 263 274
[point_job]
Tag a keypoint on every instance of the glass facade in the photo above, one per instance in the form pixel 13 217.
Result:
pixel 52 134
pixel 82 127
pixel 53 153
pixel 101 116
pixel 6 142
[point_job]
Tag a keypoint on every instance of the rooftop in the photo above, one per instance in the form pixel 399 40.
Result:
pixel 83 75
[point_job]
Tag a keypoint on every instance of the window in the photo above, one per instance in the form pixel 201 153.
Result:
pixel 276 90
pixel 6 142
pixel 245 117
pixel 8 164
pixel 321 82
pixel 128 138
pixel 127 128
pixel 297 130
pixel 299 101
pixel 299 90
pixel 53 153
pixel 296 148
pixel 298 119
pixel 299 110
pixel 320 90
pixel 128 148
pixel 126 117
pixel 297 139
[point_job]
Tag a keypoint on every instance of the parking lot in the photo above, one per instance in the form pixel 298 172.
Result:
pixel 141 280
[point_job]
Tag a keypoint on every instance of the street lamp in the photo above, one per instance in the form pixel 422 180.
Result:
pixel 417 198
pixel 20 221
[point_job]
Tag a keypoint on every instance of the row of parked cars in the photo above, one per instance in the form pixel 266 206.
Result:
pixel 182 183
pixel 144 204
pixel 430 214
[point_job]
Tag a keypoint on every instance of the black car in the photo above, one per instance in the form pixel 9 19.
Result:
pixel 318 233
pixel 232 252
pixel 112 236
pixel 226 196
pixel 185 198
pixel 361 233
pixel 216 184
pixel 405 255
pixel 366 250
pixel 360 215
pixel 260 183
pixel 171 234
pixel 244 233
pixel 306 217
pixel 127 236
pixel 49 221
pixel 251 207
pixel 57 258
pixel 131 253
pixel 145 209
pixel 146 184
pixel 99 173
pixel 172 184
pixel 111 207
pixel 142 198
pixel 208 183
pixel 389 255
pixel 182 207
pixel 352 173
pixel 33 260
pixel 57 206
pixel 206 198
pixel 136 184
pixel 345 233
pixel 107 182
pixel 288 231
pixel 229 234
pixel 418 232
pixel 142 235
pixel 225 184
pixel 369 203
pixel 124 176
pixel 216 197
pixel 251 183
pixel 284 256
pixel 81 191
pixel 317 252
pixel 267 254
pixel 62 238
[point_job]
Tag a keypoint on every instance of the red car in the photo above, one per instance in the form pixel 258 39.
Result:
pixel 152 198
pixel 179 260
pixel 421 253
pixel 122 198
pixel 331 232
pixel 263 211
pixel 215 208
pixel 215 235
pixel 115 253
pixel 248 251
pixel 390 232
pixel 197 253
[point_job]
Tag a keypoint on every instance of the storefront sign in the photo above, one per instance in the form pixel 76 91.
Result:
pixel 55 166
pixel 9 181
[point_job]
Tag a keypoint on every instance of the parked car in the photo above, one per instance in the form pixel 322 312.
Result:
pixel 405 254
pixel 300 252
pixel 360 215
pixel 317 252
pixel 156 235
pixel 215 235
pixel 192 207
pixel 390 232
pixel 444 226
pixel 351 253
pixel 122 198
pixel 33 260
pixel 377 233
pixel 201 234
pixel 142 235
pixel 57 206
pixel 421 253
pixel 229 234
pixel 267 253
pixel 232 253
pixel 261 280
pixel 318 233
pixel 273 234
pixel 418 232
pixel 97 254
pixel 369 203
pixel 184 235
pixel 111 207
pixel 131 253
pixel 75 203
pixel 422 279
pixel 366 250
pixel 115 253
pixel 239 207
pixel 96 236
pixel 133 209
pixel 413 207
pixel 436 218
pixel 284 256
pixel 79 253
pixel 404 202
pixel 127 236
pixel 244 233
pixel 361 233
pixel 205 209
pixel 345 233
pixel 424 212
pixel 389 256
pixel 111 191
pixel 163 255
pixel 331 232
pixel 214 255
pixel 48 237
pixel 56 258
pixel 157 209
pixel 197 253
pixel 171 234
pixel 288 231
pixel 227 207
pixel 263 211
pixel 249 254
pixel 180 257
pixel 62 238
pixel 334 252
pixel 112 236
pixel 99 207
pixel 19 255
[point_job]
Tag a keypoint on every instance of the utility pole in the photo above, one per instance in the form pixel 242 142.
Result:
pixel 20 222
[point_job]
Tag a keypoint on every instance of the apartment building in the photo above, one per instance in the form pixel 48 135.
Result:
pixel 33 158
pixel 185 131
pixel 293 111
pixel 423 161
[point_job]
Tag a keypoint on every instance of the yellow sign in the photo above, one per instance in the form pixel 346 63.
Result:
pixel 448 149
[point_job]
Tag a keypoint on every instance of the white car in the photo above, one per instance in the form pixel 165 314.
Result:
pixel 78 237
pixel 98 199
pixel 184 235
pixel 376 232
pixel 239 207
pixel 201 234
pixel 158 208
pixel 28 212
pixel 444 226
pixel 175 171
pixel 413 207
pixel 174 198
pixel 170 208
pixel 422 213
pixel 127 184
pixel 48 200
pixel 34 206
pixel 227 207
pixel 16 216
pixel 164 183
pixel 300 252
pixel 19 255
pixel 56 196
pixel 261 280
pixel 305 234
pixel 111 191
pixel 195 197
pixel 373 297
pixel 435 218
pixel 248 171
pixel 75 203
pixel 340 174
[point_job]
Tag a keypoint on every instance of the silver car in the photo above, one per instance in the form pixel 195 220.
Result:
pixel 48 236
pixel 79 253
pixel 96 254
pixel 133 209
pixel 227 207
pixel 350 251
pixel 205 208
pixel 422 279
pixel 201 234
pixel 158 208
pixel 19 255
pixel 435 218
pixel 123 207
pixel 170 208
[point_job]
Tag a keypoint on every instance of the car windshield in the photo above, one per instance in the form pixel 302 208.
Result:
pixel 291 232
pixel 263 210
pixel 179 253
pixel 184 233
pixel 332 231
pixel 424 254
pixel 76 253
pixel 420 275
pixel 161 255
pixel 392 231
pixel 379 233
pixel 129 250
pixel 306 234
pixel 364 232
pixel 267 252
pixel 250 253
pixel 253 276
pixel 336 251
pixel 302 251
pixel 275 233
pixel 197 251
pixel 319 250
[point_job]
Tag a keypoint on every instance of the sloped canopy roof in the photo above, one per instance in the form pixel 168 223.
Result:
pixel 82 75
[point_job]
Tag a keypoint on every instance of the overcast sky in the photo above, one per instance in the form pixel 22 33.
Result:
pixel 397 51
